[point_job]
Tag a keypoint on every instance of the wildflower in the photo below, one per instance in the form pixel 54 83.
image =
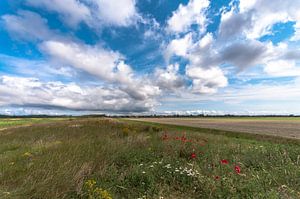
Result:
pixel 176 138
pixel 165 137
pixel 143 172
pixel 193 156
pixel 183 138
pixel 224 161
pixel 27 154
pixel 237 169
pixel 102 193
pixel 168 166
pixel 217 177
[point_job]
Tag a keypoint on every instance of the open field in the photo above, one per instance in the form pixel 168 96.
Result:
pixel 16 122
pixel 288 127
pixel 116 158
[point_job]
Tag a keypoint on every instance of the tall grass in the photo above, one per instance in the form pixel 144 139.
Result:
pixel 104 158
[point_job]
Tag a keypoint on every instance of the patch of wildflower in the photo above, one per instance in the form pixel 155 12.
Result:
pixel 170 169
pixel 95 192
pixel 27 154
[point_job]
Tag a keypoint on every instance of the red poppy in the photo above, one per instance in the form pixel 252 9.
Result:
pixel 165 137
pixel 224 161
pixel 237 169
pixel 177 138
pixel 217 177
pixel 183 139
pixel 193 156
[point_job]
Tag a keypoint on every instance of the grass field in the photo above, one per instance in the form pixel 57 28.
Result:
pixel 114 158
pixel 15 122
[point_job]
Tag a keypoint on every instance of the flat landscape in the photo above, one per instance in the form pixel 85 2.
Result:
pixel 288 127
pixel 108 158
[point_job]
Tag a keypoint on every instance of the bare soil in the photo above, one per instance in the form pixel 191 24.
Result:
pixel 289 128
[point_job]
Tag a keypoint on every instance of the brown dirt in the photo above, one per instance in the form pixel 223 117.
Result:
pixel 282 128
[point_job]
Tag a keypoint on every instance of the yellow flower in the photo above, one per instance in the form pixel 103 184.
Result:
pixel 27 154
pixel 95 192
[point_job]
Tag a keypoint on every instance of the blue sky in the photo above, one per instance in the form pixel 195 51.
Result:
pixel 146 56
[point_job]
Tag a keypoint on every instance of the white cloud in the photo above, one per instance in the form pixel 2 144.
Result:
pixel 105 64
pixel 72 11
pixel 114 12
pixel 281 68
pixel 179 47
pixel 256 18
pixel 27 25
pixel 95 13
pixel 203 59
pixel 296 36
pixel 169 78
pixel 31 92
pixel 243 53
pixel 203 52
pixel 206 81
pixel 187 15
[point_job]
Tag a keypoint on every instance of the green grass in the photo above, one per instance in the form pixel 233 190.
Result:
pixel 131 160
pixel 5 123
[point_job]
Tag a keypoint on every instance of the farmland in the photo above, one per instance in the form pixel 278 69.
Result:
pixel 288 127
pixel 121 158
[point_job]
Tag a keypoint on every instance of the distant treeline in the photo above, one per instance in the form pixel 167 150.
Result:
pixel 140 116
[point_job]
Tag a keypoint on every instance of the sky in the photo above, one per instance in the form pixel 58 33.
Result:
pixel 149 57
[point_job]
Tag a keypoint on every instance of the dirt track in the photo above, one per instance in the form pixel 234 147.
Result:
pixel 285 127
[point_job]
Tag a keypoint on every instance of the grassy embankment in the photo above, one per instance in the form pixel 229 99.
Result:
pixel 136 160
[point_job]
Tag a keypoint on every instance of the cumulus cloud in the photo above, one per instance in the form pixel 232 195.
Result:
pixel 296 36
pixel 179 46
pixel 187 15
pixel 256 18
pixel 206 81
pixel 27 25
pixel 282 68
pixel 202 69
pixel 72 12
pixel 243 54
pixel 234 25
pixel 114 12
pixel 31 92
pixel 169 78
pixel 91 12
pixel 105 64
